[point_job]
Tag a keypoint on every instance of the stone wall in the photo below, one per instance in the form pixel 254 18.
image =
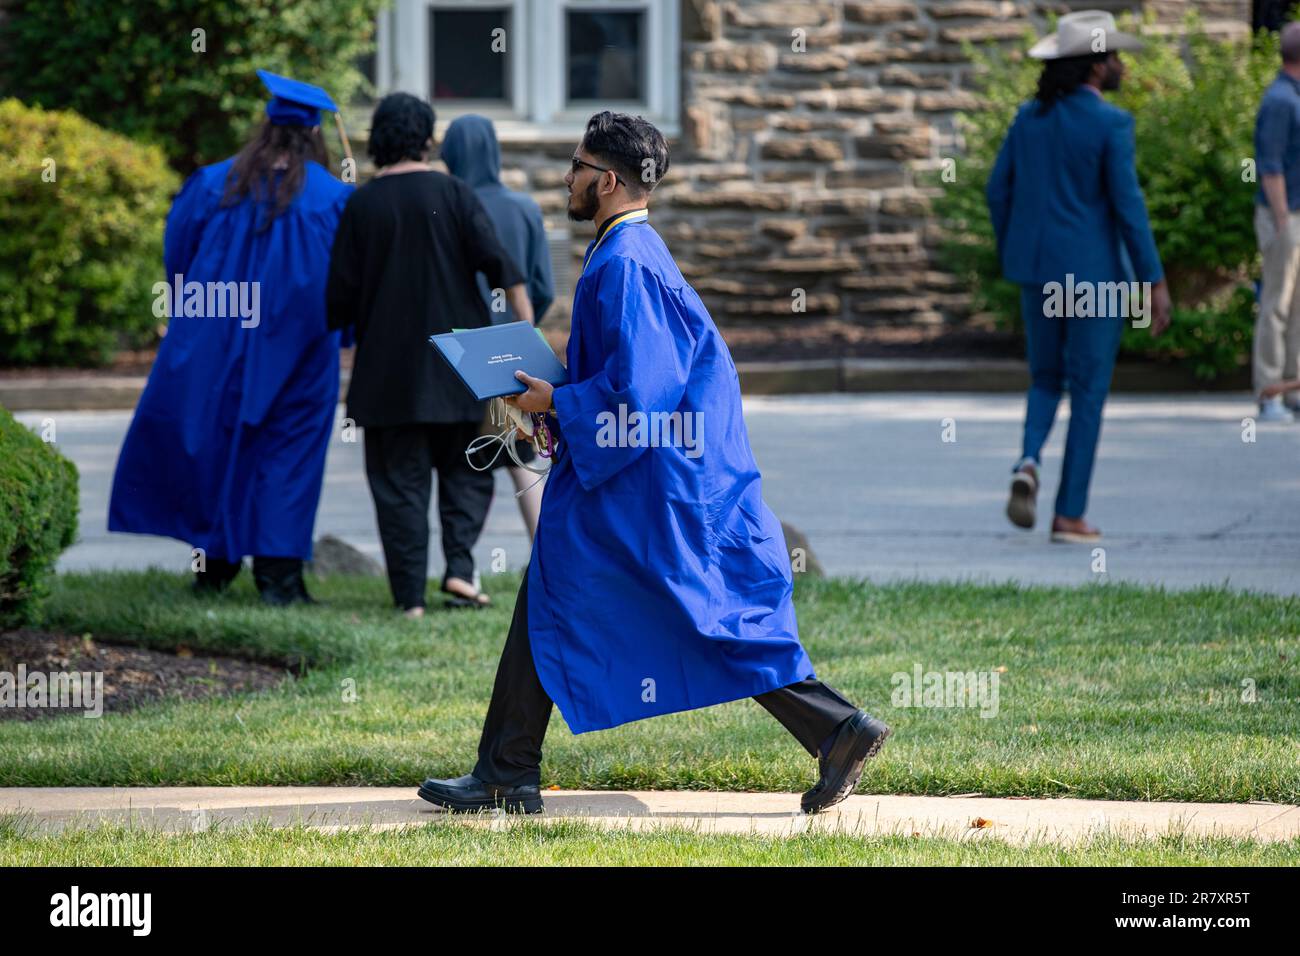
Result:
pixel 807 127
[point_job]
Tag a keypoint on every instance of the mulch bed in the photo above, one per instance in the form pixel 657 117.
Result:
pixel 133 676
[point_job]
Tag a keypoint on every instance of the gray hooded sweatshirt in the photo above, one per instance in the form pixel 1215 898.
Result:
pixel 472 153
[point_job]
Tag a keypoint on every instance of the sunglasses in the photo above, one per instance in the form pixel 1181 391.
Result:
pixel 579 163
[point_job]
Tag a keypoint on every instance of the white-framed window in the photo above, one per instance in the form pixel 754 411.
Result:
pixel 537 68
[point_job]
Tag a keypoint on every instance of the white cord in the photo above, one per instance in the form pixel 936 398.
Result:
pixel 505 440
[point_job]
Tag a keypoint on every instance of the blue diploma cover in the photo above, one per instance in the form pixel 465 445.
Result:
pixel 486 359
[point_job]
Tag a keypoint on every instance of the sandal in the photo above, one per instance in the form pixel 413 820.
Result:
pixel 455 599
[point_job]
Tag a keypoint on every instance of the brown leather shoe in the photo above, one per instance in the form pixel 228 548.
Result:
pixel 1023 504
pixel 1074 531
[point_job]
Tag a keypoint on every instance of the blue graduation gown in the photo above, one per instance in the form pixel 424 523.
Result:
pixel 227 447
pixel 659 580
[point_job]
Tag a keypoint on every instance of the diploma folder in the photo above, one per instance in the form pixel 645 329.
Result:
pixel 486 359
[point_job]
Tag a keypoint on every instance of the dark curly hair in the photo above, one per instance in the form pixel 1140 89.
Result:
pixel 400 129
pixel 631 146
pixel 1062 77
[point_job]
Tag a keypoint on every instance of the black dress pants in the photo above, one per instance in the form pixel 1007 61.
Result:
pixel 400 460
pixel 510 749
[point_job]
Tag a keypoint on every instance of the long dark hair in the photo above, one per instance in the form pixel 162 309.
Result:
pixel 254 173
pixel 1062 77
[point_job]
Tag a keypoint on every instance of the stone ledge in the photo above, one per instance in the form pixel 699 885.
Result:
pixel 951 375
pixel 82 392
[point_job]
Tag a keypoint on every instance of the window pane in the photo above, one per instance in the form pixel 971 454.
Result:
pixel 365 65
pixel 464 64
pixel 606 56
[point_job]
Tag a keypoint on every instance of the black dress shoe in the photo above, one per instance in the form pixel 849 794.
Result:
pixel 279 581
pixel 859 738
pixel 216 576
pixel 468 793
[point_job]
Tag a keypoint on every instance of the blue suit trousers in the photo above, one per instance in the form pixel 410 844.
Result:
pixel 1074 353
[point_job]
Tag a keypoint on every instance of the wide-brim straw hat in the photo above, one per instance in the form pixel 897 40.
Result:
pixel 1083 34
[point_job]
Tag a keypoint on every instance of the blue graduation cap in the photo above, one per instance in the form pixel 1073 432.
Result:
pixel 294 103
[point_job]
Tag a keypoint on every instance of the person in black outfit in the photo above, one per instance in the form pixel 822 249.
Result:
pixel 402 269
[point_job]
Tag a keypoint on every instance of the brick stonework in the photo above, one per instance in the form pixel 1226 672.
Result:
pixel 802 169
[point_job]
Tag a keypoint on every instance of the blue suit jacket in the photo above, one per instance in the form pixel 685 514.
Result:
pixel 1064 196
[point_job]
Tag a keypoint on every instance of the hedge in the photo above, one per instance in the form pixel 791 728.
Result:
pixel 81 222
pixel 38 518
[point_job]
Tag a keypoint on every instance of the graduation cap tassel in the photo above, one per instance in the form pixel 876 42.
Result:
pixel 294 103
pixel 343 135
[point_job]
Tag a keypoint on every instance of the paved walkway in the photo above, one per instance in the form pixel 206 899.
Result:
pixel 1013 819
pixel 1184 501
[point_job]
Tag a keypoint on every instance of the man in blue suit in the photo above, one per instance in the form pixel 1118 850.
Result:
pixel 1072 229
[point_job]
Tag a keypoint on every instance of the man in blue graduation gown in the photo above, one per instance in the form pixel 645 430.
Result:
pixel 227 447
pixel 659 580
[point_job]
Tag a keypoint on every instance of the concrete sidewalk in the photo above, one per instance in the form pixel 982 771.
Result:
pixel 881 492
pixel 1017 820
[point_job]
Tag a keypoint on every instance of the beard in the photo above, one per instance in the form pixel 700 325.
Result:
pixel 584 211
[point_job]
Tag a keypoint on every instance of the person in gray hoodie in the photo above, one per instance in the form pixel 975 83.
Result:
pixel 472 153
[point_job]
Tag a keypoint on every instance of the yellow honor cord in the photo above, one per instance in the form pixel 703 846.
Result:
pixel 612 226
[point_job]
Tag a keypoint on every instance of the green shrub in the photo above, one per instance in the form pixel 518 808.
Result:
pixel 78 254
pixel 38 518
pixel 1211 339
pixel 1194 100
pixel 136 67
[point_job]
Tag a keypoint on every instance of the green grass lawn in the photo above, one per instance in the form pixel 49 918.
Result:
pixel 578 843
pixel 1108 692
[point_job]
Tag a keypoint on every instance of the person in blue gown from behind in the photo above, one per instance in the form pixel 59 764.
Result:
pixel 227 447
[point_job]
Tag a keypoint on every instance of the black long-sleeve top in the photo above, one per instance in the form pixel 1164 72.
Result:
pixel 402 269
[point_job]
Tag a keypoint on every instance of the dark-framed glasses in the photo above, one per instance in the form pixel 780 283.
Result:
pixel 577 164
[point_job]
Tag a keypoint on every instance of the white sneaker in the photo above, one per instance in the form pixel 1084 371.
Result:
pixel 1272 410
